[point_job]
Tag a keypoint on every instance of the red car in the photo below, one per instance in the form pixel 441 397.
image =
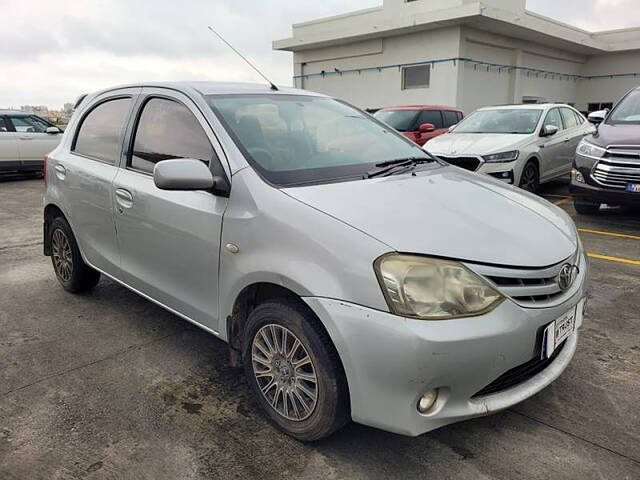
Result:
pixel 420 123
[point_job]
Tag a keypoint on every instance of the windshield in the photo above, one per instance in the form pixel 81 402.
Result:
pixel 627 111
pixel 501 120
pixel 401 120
pixel 297 139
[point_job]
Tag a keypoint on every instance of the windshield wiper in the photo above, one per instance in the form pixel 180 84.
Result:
pixel 389 166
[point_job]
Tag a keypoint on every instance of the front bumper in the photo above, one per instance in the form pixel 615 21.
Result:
pixel 599 194
pixel 504 171
pixel 391 361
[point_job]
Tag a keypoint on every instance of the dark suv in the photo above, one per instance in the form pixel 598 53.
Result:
pixel 606 167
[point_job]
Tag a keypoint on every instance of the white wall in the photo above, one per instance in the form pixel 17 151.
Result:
pixel 548 87
pixel 482 86
pixel 375 89
pixel 608 89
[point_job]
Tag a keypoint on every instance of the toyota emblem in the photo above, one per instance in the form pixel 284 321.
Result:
pixel 565 277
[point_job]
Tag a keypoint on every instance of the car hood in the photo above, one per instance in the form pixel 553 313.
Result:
pixel 447 212
pixel 474 143
pixel 607 135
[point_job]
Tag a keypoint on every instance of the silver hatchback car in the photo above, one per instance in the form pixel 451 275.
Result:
pixel 353 275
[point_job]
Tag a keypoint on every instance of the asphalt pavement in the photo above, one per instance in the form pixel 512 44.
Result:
pixel 108 385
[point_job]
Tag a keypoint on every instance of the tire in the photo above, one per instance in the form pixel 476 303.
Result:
pixel 73 274
pixel 586 208
pixel 330 409
pixel 530 178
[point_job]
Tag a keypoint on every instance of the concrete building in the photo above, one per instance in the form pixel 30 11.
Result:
pixel 462 53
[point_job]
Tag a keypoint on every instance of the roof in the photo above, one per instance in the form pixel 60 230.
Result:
pixel 381 22
pixel 527 106
pixel 216 88
pixel 15 112
pixel 422 107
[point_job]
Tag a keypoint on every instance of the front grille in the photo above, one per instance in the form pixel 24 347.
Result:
pixel 531 287
pixel 619 166
pixel 519 374
pixel 468 163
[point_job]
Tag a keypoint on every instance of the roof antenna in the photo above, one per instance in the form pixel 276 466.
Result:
pixel 273 85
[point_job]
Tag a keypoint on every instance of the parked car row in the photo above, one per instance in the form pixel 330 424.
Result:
pixel 24 141
pixel 527 145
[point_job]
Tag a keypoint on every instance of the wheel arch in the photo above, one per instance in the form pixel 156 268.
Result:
pixel 250 297
pixel 51 211
pixel 535 159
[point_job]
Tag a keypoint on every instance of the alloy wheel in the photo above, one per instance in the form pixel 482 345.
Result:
pixel 285 372
pixel 62 257
pixel 529 180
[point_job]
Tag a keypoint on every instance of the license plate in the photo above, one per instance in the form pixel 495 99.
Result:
pixel 558 330
pixel 633 187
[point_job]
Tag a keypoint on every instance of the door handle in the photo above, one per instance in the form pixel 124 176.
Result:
pixel 566 140
pixel 124 199
pixel 26 138
pixel 61 172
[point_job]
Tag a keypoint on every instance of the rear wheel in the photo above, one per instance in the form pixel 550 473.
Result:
pixel 294 370
pixel 586 208
pixel 530 178
pixel 73 274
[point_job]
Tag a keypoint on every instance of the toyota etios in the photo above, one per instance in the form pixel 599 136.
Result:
pixel 353 275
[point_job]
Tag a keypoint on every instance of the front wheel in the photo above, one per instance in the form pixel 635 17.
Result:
pixel 73 274
pixel 294 370
pixel 530 178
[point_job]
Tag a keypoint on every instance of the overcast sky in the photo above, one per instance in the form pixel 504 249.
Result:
pixel 52 51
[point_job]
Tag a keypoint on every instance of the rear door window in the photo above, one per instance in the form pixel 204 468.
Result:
pixel 569 118
pixel 450 118
pixel 4 127
pixel 430 116
pixel 167 129
pixel 100 133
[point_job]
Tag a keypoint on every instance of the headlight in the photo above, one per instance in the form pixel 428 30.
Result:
pixel 502 157
pixel 433 289
pixel 589 150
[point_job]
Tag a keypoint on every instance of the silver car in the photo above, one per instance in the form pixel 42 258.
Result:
pixel 353 275
pixel 523 145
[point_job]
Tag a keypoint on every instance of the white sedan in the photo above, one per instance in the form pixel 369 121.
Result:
pixel 524 145
pixel 24 141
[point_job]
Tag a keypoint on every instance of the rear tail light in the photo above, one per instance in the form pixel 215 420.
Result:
pixel 46 158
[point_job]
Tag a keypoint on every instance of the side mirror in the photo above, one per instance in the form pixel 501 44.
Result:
pixel 426 127
pixel 182 174
pixel 597 117
pixel 53 130
pixel 549 130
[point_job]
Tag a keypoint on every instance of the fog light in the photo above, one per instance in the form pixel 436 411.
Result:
pixel 427 400
pixel 577 175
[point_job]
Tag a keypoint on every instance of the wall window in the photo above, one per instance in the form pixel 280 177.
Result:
pixel 416 77
pixel 167 129
pixel 99 134
pixel 594 107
